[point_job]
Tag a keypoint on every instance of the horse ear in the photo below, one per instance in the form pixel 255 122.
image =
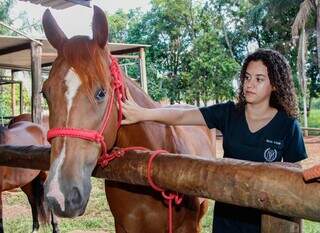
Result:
pixel 55 35
pixel 100 27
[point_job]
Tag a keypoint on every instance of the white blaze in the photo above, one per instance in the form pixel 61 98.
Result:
pixel 73 83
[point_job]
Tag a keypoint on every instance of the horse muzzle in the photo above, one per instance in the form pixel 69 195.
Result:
pixel 68 201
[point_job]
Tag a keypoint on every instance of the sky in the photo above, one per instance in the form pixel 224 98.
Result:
pixel 76 20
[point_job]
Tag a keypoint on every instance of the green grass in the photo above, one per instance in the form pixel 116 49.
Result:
pixel 311 227
pixel 314 118
pixel 97 216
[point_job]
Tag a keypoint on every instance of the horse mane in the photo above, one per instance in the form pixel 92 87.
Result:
pixel 2 134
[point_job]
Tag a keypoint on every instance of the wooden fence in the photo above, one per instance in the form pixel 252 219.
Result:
pixel 273 188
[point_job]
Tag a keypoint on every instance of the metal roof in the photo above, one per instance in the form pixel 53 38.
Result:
pixel 60 4
pixel 15 52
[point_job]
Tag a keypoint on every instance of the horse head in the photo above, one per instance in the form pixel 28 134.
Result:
pixel 79 91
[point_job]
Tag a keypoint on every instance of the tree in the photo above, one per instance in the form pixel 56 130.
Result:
pixel 119 26
pixel 212 70
pixel 5 7
pixel 299 27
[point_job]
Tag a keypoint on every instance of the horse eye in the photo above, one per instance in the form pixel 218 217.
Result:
pixel 43 95
pixel 100 94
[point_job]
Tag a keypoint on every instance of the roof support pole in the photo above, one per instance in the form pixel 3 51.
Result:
pixel 143 70
pixel 13 95
pixel 36 51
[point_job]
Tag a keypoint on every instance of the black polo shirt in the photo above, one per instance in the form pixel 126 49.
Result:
pixel 280 140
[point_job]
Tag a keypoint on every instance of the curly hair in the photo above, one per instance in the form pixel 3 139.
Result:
pixel 283 97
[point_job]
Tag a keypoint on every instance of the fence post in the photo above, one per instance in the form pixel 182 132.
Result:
pixel 276 223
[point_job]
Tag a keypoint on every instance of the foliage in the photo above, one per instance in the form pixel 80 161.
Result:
pixel 175 29
pixel 5 6
pixel 212 70
pixel 197 46
pixel 6 100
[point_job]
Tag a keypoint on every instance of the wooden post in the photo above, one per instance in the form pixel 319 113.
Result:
pixel 13 95
pixel 276 223
pixel 143 71
pixel 36 51
pixel 21 98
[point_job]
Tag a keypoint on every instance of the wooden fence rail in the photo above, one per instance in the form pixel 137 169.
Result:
pixel 271 187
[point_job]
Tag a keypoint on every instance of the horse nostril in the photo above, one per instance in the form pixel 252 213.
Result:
pixel 75 197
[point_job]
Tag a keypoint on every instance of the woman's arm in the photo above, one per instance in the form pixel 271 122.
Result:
pixel 172 116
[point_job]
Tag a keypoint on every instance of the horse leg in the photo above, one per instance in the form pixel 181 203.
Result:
pixel 1 221
pixel 39 186
pixel 27 189
pixel 54 223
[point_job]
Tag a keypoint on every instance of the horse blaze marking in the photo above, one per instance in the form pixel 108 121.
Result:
pixel 73 83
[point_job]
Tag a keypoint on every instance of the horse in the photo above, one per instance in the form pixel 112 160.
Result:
pixel 27 117
pixel 31 182
pixel 81 99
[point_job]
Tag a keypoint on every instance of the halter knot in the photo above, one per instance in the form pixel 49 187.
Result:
pixel 98 137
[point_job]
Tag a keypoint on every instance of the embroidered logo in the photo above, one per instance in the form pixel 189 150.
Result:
pixel 270 154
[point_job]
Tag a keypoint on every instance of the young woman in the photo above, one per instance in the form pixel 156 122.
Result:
pixel 261 126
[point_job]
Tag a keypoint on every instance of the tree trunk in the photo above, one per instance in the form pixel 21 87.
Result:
pixel 302 74
pixel 318 35
pixel 309 106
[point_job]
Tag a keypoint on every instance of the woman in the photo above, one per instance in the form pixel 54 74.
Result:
pixel 261 126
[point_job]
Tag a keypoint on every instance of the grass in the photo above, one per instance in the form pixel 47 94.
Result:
pixel 314 118
pixel 96 218
pixel 313 121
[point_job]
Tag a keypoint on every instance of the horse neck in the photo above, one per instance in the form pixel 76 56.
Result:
pixel 139 96
pixel 148 134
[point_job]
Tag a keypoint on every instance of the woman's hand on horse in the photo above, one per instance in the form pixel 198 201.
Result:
pixel 132 112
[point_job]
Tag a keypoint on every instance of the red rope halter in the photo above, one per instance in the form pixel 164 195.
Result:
pixel 97 136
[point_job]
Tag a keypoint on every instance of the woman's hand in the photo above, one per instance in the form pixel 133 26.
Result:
pixel 132 112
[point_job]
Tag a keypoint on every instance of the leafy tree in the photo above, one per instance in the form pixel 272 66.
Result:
pixel 212 70
pixel 5 7
pixel 197 48
pixel 119 29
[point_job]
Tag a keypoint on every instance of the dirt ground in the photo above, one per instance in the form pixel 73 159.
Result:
pixel 12 211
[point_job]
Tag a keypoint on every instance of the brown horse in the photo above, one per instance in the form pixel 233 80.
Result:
pixel 78 90
pixel 27 117
pixel 31 182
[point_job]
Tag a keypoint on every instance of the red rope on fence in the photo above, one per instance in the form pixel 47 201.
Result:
pixel 170 197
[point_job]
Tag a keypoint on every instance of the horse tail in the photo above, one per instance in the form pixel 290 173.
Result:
pixel 38 194
pixel 2 134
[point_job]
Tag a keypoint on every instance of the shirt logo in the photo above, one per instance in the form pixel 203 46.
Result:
pixel 270 154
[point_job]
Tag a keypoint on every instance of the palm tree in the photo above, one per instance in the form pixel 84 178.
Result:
pixel 307 7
